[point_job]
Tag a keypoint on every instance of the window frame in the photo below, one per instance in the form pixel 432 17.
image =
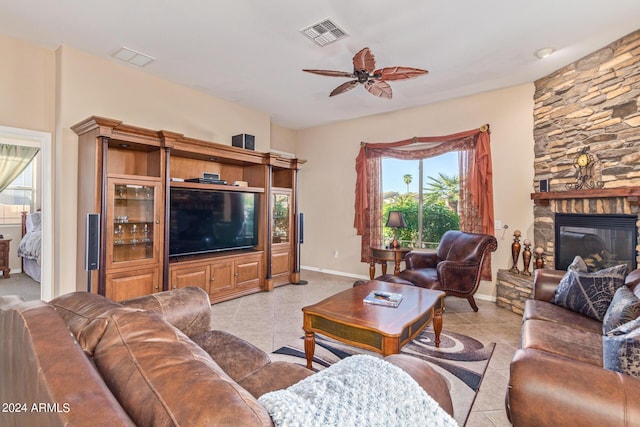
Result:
pixel 8 220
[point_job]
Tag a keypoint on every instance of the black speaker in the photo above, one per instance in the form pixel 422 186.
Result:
pixel 92 243
pixel 544 185
pixel 244 140
pixel 300 228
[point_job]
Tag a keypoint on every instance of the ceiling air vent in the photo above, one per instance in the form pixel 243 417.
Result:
pixel 324 32
pixel 133 57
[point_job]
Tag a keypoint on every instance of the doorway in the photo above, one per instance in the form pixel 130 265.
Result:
pixel 43 140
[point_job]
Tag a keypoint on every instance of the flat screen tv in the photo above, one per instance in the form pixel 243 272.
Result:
pixel 202 221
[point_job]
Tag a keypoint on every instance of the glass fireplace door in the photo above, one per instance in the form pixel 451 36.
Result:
pixel 601 240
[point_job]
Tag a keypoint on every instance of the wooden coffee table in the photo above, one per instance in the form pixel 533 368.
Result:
pixel 385 330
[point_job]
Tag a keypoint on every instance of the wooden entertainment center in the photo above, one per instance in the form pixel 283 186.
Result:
pixel 126 174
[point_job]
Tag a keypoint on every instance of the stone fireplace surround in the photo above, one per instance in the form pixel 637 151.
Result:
pixel 514 289
pixel 623 201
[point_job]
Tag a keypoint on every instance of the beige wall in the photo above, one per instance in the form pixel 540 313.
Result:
pixel 92 86
pixel 27 85
pixel 327 180
pixel 283 139
pixel 27 92
pixel 50 91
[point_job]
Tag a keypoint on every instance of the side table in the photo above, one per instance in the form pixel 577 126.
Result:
pixel 382 255
pixel 5 248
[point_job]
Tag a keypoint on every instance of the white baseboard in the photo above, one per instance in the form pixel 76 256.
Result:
pixel 485 297
pixel 334 272
pixel 363 277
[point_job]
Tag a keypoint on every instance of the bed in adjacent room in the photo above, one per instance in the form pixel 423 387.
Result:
pixel 29 247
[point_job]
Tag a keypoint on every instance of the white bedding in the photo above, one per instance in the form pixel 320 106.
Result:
pixel 29 247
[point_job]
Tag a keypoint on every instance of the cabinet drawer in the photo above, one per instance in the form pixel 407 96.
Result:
pixel 280 263
pixel 193 276
pixel 132 283
pixel 221 278
pixel 248 273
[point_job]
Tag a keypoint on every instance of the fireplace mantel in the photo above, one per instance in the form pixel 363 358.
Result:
pixel 631 193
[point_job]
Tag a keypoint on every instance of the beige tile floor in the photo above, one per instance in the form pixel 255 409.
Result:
pixel 273 319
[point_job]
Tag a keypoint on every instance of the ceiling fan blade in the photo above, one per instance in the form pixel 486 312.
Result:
pixel 398 73
pixel 331 73
pixel 378 88
pixel 344 87
pixel 364 60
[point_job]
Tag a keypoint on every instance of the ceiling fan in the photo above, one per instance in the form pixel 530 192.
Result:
pixel 375 81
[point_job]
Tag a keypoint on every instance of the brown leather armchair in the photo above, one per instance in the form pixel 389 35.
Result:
pixel 454 268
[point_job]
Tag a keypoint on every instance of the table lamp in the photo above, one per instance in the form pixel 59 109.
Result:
pixel 396 221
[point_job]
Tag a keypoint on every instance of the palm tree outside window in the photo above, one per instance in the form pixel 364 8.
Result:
pixel 430 212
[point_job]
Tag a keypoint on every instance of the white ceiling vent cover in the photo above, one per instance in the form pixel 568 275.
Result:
pixel 324 32
pixel 133 57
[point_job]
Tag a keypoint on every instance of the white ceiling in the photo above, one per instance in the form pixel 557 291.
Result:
pixel 251 51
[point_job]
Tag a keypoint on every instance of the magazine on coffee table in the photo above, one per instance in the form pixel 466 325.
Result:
pixel 389 299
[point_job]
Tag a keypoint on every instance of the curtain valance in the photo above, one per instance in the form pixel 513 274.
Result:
pixel 13 160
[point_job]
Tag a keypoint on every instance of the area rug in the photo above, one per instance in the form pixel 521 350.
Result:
pixel 461 360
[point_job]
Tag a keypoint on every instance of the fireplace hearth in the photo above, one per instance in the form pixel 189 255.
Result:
pixel 601 240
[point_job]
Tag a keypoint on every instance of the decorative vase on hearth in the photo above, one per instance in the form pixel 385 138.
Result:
pixel 539 258
pixel 526 257
pixel 515 251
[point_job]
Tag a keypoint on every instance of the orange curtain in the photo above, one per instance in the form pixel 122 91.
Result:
pixel 476 185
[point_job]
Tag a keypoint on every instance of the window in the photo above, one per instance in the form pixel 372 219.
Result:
pixel 475 204
pixel 19 196
pixel 427 193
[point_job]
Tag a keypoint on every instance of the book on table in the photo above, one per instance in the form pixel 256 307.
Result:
pixel 389 299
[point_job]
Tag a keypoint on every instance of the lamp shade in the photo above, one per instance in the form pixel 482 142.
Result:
pixel 396 220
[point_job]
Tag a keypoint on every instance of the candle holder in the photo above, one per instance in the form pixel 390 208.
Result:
pixel 515 251
pixel 539 257
pixel 526 257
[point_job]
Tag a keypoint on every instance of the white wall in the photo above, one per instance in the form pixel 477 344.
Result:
pixel 327 180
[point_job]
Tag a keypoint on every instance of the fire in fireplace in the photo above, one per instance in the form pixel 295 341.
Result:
pixel 601 240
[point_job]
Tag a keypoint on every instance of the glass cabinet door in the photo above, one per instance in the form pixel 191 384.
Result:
pixel 131 224
pixel 281 226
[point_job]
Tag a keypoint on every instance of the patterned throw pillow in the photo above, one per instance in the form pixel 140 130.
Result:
pixel 589 293
pixel 621 349
pixel 624 308
pixel 578 264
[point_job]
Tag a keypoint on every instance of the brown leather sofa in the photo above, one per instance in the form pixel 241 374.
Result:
pixel 557 376
pixel 84 360
pixel 454 268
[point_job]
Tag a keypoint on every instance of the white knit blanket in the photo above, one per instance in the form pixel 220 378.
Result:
pixel 359 390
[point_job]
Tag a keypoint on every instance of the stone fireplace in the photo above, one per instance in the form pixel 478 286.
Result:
pixel 597 214
pixel 591 105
